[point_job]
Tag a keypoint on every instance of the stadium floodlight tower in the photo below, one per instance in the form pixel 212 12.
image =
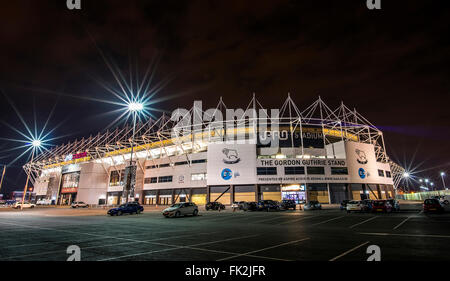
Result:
pixel 134 108
pixel 35 144
pixel 443 181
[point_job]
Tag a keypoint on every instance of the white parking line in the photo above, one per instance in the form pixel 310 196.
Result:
pixel 175 247
pixel 131 241
pixel 93 240
pixel 264 249
pixel 400 224
pixel 407 235
pixel 327 221
pixel 356 224
pixel 349 251
pixel 299 219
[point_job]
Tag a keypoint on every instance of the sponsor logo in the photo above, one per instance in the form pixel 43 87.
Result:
pixel 226 174
pixel 362 173
pixel 361 156
pixel 231 156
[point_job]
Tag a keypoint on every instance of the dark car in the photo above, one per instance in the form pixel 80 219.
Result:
pixel 214 206
pixel 127 208
pixel 344 204
pixel 368 205
pixel 395 205
pixel 381 206
pixel 266 205
pixel 312 205
pixel 287 204
pixel 432 205
pixel 251 206
pixel 242 205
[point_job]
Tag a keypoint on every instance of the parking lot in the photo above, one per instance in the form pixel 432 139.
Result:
pixel 322 235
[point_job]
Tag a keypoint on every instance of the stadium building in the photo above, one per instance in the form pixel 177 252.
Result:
pixel 317 153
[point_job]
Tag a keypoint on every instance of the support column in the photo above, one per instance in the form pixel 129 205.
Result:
pixel 256 193
pixel 364 191
pixel 329 193
pixel 208 194
pixel 173 196
pixel 349 191
pixel 157 197
pixel 190 195
pixel 231 194
pixel 379 192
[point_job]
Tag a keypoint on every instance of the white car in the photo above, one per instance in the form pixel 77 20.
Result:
pixel 79 204
pixel 181 209
pixel 355 206
pixel 44 202
pixel 18 205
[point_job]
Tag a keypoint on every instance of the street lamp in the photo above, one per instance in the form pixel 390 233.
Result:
pixel 134 108
pixel 443 181
pixel 35 144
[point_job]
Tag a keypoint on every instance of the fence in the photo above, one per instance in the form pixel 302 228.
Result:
pixel 423 195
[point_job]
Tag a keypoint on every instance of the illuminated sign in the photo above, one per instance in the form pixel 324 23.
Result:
pixel 75 156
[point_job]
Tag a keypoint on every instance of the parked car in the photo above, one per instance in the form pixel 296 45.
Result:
pixel 355 206
pixel 44 202
pixel 287 204
pixel 312 205
pixel 368 204
pixel 242 205
pixel 266 205
pixel 251 206
pixel 443 199
pixel 127 208
pixel 344 204
pixel 395 205
pixel 181 209
pixel 214 206
pixel 381 206
pixel 18 205
pixel 235 206
pixel 432 205
pixel 79 204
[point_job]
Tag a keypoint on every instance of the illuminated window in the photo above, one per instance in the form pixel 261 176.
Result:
pixel 198 177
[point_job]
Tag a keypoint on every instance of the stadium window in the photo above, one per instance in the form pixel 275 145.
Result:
pixel 388 174
pixel 198 161
pixel 339 171
pixel 151 167
pixel 165 179
pixel 164 165
pixel 381 173
pixel 181 163
pixel 294 170
pixel 315 170
pixel 266 171
pixel 198 177
pixel 150 180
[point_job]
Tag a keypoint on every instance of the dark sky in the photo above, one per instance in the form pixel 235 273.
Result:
pixel 391 64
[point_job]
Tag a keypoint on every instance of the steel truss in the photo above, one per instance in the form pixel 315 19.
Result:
pixel 157 135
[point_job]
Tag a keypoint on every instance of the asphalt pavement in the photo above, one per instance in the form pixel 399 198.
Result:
pixel 44 234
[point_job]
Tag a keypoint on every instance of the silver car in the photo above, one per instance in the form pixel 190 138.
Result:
pixel 181 209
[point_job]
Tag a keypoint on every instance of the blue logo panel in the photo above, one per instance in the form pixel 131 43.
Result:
pixel 226 174
pixel 362 173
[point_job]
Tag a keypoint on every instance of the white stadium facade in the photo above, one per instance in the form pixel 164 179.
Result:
pixel 316 153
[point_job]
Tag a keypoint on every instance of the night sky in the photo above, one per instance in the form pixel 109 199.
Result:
pixel 392 65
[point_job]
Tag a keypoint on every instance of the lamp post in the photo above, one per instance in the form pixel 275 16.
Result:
pixel 35 144
pixel 134 108
pixel 3 175
pixel 406 177
pixel 443 181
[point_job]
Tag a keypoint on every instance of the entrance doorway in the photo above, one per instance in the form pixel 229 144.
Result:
pixel 294 192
